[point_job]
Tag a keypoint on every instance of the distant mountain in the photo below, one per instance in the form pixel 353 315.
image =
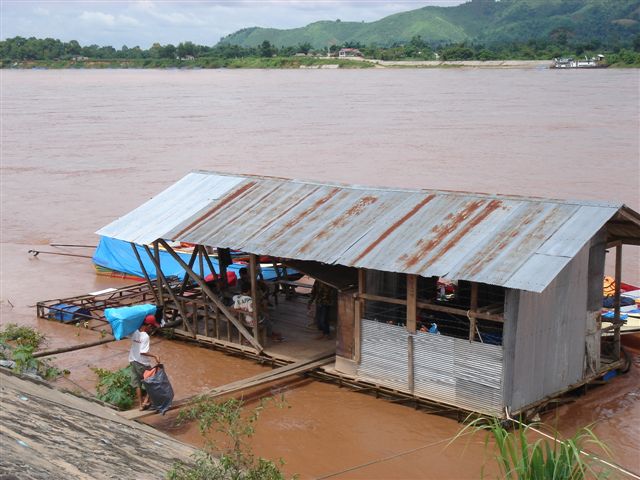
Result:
pixel 486 21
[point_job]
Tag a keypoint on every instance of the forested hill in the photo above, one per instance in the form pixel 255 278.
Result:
pixel 485 21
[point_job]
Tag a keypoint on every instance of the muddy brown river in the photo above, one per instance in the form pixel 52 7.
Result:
pixel 80 148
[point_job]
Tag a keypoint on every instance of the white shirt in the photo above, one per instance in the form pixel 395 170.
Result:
pixel 139 345
pixel 244 303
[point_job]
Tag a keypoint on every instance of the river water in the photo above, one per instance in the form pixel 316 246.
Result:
pixel 80 148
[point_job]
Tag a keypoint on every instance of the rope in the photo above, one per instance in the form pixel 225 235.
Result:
pixel 391 457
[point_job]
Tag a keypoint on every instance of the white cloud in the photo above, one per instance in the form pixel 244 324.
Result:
pixel 108 20
pixel 143 22
pixel 41 12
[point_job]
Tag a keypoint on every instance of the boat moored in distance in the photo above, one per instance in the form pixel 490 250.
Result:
pixel 568 62
pixel 115 258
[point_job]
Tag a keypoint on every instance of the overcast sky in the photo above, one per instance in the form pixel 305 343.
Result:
pixel 144 22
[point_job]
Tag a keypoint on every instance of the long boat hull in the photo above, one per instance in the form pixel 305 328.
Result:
pixel 115 258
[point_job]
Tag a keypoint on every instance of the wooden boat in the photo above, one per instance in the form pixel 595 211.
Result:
pixel 115 258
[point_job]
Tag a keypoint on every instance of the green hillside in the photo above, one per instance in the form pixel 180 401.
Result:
pixel 605 21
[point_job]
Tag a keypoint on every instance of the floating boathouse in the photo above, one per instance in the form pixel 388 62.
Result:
pixel 523 325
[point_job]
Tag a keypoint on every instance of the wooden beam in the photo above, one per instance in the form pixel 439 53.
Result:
pixel 473 311
pixel 623 240
pixel 144 270
pixel 412 306
pixel 207 291
pixel 379 298
pixel 616 301
pixel 185 280
pixel 185 320
pixel 204 251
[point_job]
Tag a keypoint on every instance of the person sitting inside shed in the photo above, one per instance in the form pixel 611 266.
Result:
pixel 243 303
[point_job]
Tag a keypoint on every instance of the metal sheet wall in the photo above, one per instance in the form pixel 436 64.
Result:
pixel 384 356
pixel 446 369
pixel 548 344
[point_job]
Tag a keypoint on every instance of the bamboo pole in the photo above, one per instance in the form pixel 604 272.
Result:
pixel 212 296
pixel 144 270
pixel 56 351
pixel 38 252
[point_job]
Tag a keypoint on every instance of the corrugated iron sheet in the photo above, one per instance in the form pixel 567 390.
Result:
pixel 448 370
pixel 474 237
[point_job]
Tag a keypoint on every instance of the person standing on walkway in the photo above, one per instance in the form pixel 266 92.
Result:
pixel 324 298
pixel 139 357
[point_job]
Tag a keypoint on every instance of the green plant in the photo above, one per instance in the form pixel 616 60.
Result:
pixel 21 335
pixel 519 457
pixel 114 387
pixel 23 356
pixel 18 344
pixel 236 460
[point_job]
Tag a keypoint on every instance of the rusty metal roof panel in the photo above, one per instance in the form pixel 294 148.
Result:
pixel 153 219
pixel 491 239
pixel 569 239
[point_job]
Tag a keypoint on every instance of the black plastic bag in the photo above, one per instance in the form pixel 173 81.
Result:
pixel 159 389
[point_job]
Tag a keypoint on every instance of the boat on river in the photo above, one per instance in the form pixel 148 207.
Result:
pixel 568 62
pixel 115 258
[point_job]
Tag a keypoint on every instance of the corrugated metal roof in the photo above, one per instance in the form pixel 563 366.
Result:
pixel 515 242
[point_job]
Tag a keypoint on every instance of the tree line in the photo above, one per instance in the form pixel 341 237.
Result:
pixel 21 49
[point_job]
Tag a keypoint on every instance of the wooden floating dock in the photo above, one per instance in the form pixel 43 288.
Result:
pixel 296 368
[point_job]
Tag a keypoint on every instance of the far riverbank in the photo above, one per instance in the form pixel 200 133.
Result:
pixel 276 63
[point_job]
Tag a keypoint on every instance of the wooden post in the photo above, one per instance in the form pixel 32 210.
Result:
pixel 162 279
pixel 616 302
pixel 253 271
pixel 277 282
pixel 472 311
pixel 185 280
pixel 412 305
pixel 144 271
pixel 410 362
pixel 359 313
pixel 207 291
pixel 157 264
pixel 204 251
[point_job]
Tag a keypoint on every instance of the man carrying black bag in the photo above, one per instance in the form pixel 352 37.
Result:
pixel 156 382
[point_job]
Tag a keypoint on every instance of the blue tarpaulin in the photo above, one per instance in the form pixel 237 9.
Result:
pixel 126 320
pixel 118 255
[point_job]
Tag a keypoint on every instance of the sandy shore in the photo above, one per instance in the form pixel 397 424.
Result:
pixel 534 64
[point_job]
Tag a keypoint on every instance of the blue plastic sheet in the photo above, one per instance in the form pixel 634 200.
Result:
pixel 118 255
pixel 68 313
pixel 126 320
